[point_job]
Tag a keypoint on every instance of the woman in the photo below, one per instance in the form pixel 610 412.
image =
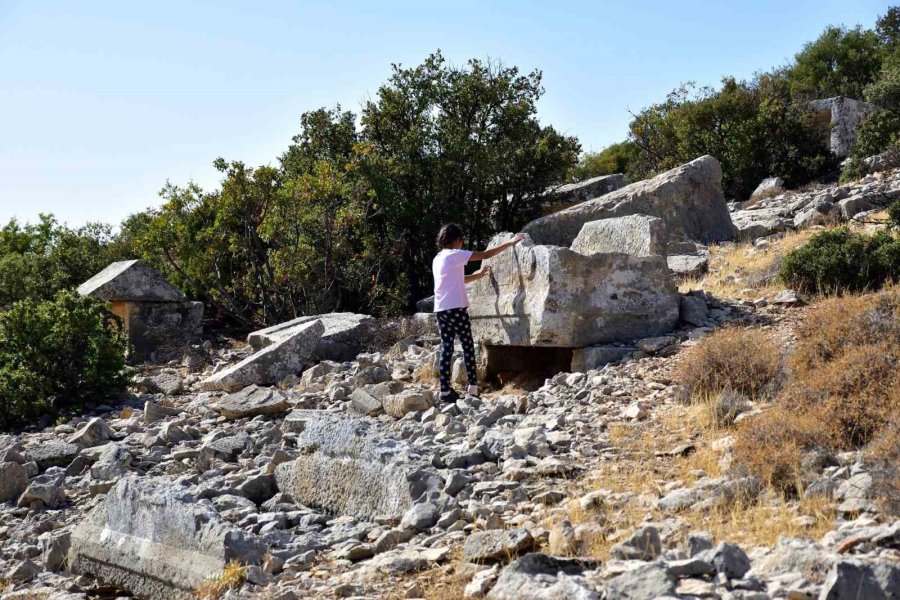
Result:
pixel 451 302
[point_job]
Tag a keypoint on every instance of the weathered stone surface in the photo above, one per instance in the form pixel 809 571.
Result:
pixel 45 491
pixel 224 448
pixel 156 540
pixel 854 205
pixel 730 560
pixel 342 338
pixel 160 331
pixel 688 265
pixel 551 296
pixel 407 401
pixel 693 310
pixel 643 544
pixel 594 357
pixel 91 433
pixel 55 453
pixel 841 116
pixel 13 481
pixel 769 186
pixel 130 280
pixel 497 544
pixel 854 580
pixel 271 364
pixel 542 577
pixel 252 401
pixel 688 198
pixel 351 469
pixel 637 235
pixel 588 189
pixel 365 403
pixel 154 412
pixel 646 582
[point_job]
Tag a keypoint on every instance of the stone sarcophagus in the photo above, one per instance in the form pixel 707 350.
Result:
pixel 157 319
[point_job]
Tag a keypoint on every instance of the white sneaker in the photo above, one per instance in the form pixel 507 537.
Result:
pixel 473 390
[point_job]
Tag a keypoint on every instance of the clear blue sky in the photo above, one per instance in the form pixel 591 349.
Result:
pixel 102 102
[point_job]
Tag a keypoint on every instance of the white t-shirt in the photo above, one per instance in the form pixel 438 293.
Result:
pixel 449 279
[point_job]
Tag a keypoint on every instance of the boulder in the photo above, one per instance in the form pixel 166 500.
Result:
pixel 349 468
pixel 365 403
pixel 271 364
pixel 638 235
pixel 770 186
pixel 600 298
pixel 407 401
pixel 842 117
pixel 13 481
pixel 643 544
pixel 542 577
pixel 156 540
pixel 341 340
pixel 497 545
pixel 645 582
pixel 252 401
pixel 854 205
pixel 45 491
pixel 688 265
pixel 693 310
pixel 688 198
pixel 856 579
pixel 54 453
pixel 91 433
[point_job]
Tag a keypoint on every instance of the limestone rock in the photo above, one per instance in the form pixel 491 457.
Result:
pixel 54 453
pixel 843 116
pixel 497 545
pixel 45 491
pixel 770 186
pixel 852 580
pixel 156 540
pixel 637 235
pixel 643 544
pixel 688 265
pixel 92 433
pixel 252 401
pixel 342 338
pixel 407 401
pixel 365 403
pixel 693 310
pixel 352 469
pixel 594 357
pixel 541 577
pixel 13 481
pixel 271 364
pixel 688 198
pixel 601 298
pixel 646 582
pixel 588 189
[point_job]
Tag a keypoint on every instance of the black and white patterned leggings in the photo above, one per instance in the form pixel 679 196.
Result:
pixel 452 323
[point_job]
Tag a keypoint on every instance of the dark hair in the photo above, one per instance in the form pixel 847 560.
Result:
pixel 448 235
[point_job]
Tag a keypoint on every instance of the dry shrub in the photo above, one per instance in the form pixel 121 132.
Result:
pixel 842 391
pixel 746 361
pixel 233 575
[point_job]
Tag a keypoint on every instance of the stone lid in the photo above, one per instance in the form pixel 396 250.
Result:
pixel 130 280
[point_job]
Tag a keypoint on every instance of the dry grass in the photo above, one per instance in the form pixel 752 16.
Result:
pixel 644 468
pixel 746 361
pixel 740 271
pixel 231 578
pixel 842 391
pixel 441 582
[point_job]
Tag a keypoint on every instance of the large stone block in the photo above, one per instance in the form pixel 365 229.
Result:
pixel 840 117
pixel 688 198
pixel 351 469
pixel 271 364
pixel 638 235
pixel 343 338
pixel 156 540
pixel 552 296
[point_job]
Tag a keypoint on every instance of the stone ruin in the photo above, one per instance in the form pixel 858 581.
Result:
pixel 158 321
pixel 595 275
pixel 840 117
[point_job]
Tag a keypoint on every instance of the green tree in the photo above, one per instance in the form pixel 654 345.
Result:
pixel 445 143
pixel 616 158
pixel 751 128
pixel 841 62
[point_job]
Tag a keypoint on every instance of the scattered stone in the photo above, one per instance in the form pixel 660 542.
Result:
pixel 645 582
pixel 643 544
pixel 730 561
pixel 13 481
pixel 252 401
pixel 497 545
pixel 94 432
pixel 365 403
pixel 542 577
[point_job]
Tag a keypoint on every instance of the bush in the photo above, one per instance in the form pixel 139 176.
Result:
pixel 842 391
pixel 617 158
pixel 56 354
pixel 894 214
pixel 744 361
pixel 840 260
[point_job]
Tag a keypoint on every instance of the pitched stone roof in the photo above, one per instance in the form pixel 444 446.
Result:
pixel 130 280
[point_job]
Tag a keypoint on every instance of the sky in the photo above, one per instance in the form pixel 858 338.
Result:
pixel 101 103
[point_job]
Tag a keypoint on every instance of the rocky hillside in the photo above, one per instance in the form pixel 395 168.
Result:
pixel 352 481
